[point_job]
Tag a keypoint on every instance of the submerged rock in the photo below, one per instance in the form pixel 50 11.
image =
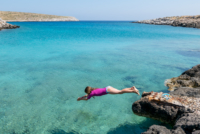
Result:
pixel 4 25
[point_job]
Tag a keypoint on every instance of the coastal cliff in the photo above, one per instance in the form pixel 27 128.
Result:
pixel 182 21
pixel 180 108
pixel 26 17
pixel 4 25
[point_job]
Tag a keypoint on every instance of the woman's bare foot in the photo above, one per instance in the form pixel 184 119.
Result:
pixel 135 90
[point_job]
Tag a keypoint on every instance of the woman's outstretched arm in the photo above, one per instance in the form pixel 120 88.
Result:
pixel 83 98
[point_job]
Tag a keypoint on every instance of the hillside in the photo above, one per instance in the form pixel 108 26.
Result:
pixel 21 16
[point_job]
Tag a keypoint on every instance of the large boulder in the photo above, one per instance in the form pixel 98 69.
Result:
pixel 159 110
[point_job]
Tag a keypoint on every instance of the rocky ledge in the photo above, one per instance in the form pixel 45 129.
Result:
pixel 180 108
pixel 190 78
pixel 4 25
pixel 183 21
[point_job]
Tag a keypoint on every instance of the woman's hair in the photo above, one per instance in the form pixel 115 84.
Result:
pixel 88 90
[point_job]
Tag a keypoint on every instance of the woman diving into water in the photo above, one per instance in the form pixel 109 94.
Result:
pixel 91 92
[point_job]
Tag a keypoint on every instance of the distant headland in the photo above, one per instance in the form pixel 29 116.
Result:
pixel 26 17
pixel 182 21
pixel 4 25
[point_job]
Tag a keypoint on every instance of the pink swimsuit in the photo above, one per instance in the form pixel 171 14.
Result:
pixel 98 92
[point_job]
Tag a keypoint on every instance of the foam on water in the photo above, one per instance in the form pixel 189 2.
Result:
pixel 45 66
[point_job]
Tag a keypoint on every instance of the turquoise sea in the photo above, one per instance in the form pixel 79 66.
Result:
pixel 45 67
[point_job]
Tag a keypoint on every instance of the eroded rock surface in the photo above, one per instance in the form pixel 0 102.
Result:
pixel 187 91
pixel 188 122
pixel 159 110
pixel 190 78
pixel 183 21
pixel 157 129
pixel 178 131
pixel 4 25
pixel 182 115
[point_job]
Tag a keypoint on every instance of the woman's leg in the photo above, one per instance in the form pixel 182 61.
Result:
pixel 112 90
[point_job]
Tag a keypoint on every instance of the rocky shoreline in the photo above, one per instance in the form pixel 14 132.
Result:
pixel 4 25
pixel 182 21
pixel 180 107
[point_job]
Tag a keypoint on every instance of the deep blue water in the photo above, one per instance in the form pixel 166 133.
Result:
pixel 45 66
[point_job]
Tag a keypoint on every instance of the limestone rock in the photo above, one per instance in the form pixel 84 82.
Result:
pixel 4 25
pixel 178 130
pixel 196 132
pixel 190 78
pixel 165 112
pixel 194 72
pixel 182 21
pixel 156 129
pixel 186 91
pixel 159 21
pixel 188 122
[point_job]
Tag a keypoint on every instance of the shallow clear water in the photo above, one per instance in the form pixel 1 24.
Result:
pixel 45 66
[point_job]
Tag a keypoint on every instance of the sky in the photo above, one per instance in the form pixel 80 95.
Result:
pixel 105 9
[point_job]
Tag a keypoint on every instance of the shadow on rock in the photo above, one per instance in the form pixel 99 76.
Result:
pixel 129 128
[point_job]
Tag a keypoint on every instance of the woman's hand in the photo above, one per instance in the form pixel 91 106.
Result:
pixel 82 98
pixel 79 99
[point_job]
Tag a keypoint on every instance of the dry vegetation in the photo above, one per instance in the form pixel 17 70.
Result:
pixel 184 17
pixel 17 16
